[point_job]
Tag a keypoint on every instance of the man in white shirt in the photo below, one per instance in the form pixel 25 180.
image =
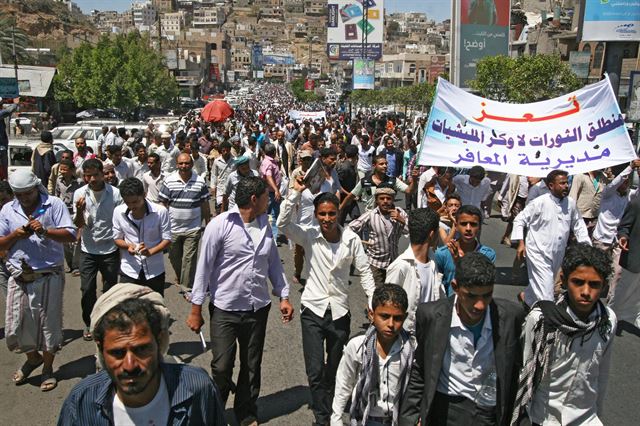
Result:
pixel 220 171
pixel 168 153
pixel 473 188
pixel 138 165
pixel 152 180
pixel 414 270
pixel 142 231
pixel 468 353
pixel 120 166
pixel 549 220
pixel 93 207
pixel 330 251
pixel 366 153
pixel 567 347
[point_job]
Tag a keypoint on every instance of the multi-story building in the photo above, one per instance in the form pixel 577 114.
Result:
pixel 293 6
pixel 144 15
pixel 208 17
pixel 173 23
pixel 315 7
pixel 404 69
pixel 163 6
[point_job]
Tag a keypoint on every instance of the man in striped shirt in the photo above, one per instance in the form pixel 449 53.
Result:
pixel 385 224
pixel 186 196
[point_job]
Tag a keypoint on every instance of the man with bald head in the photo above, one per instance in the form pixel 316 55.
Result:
pixel 186 196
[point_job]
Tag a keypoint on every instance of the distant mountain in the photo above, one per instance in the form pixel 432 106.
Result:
pixel 44 20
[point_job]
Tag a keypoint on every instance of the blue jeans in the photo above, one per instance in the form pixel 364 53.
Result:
pixel 274 211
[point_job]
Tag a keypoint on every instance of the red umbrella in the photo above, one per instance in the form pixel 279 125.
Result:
pixel 217 110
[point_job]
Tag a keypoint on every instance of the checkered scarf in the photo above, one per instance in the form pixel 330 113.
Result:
pixel 555 320
pixel 367 386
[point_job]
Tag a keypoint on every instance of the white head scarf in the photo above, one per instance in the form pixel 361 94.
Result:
pixel 23 180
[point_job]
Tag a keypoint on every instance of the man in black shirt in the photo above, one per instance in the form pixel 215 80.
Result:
pixel 348 175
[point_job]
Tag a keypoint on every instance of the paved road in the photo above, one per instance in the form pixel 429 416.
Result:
pixel 284 394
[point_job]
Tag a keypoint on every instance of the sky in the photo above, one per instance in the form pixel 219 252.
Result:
pixel 438 10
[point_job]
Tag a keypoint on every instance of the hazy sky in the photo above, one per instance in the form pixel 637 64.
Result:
pixel 435 9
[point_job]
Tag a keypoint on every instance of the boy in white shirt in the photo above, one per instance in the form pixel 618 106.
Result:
pixel 567 346
pixel 374 370
pixel 415 270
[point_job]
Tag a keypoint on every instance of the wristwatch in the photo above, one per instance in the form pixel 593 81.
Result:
pixel 282 299
pixel 43 232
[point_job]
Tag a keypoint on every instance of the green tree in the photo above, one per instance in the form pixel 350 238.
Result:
pixel 524 79
pixel 121 72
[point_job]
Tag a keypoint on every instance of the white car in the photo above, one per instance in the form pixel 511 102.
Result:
pixel 20 153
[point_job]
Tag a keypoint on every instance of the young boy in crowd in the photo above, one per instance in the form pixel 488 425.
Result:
pixel 567 346
pixel 65 186
pixel 447 214
pixel 374 370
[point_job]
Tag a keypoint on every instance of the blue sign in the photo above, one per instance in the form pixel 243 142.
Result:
pixel 9 87
pixel 256 57
pixel 611 20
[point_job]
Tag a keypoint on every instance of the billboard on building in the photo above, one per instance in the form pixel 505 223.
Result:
pixel 579 63
pixel 278 59
pixel 611 20
pixel 347 25
pixel 363 74
pixel 482 29
pixel 309 85
pixel 257 58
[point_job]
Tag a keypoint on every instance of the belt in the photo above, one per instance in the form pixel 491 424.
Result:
pixel 29 277
pixel 382 420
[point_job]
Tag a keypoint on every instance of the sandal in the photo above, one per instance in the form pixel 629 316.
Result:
pixel 49 382
pixel 21 376
pixel 86 335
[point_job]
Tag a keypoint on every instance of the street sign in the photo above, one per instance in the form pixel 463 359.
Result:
pixel 9 87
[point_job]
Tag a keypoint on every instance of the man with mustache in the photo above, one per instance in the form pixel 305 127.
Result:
pixel 549 219
pixel 135 387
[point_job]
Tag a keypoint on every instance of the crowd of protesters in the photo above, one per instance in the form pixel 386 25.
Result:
pixel 219 199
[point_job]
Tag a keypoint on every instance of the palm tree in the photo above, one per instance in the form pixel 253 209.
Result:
pixel 9 34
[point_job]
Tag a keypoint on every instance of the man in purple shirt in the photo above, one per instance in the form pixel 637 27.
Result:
pixel 237 255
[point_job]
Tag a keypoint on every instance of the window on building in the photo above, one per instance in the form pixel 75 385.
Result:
pixel 412 68
pixel 598 56
pixel 586 48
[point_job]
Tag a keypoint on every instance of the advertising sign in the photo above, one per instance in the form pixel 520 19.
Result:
pixel 9 87
pixel 309 85
pixel 363 74
pixel 611 20
pixel 346 27
pixel 276 59
pixel 482 29
pixel 579 63
pixel 578 132
pixel 256 57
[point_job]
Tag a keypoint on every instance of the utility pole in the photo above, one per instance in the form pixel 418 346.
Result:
pixel 13 42
pixel 159 33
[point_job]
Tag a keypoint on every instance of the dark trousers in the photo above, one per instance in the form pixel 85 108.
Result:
pixel 90 264
pixel 245 329
pixel 320 335
pixel 459 411
pixel 351 209
pixel 156 283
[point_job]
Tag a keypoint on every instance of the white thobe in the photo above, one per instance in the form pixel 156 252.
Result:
pixel 549 221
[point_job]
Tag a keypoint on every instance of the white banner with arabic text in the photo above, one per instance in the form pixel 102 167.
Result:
pixel 578 132
pixel 307 115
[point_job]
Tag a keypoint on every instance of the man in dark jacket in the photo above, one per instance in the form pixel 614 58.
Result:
pixel 135 386
pixel 626 294
pixel 4 139
pixel 43 157
pixel 468 356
